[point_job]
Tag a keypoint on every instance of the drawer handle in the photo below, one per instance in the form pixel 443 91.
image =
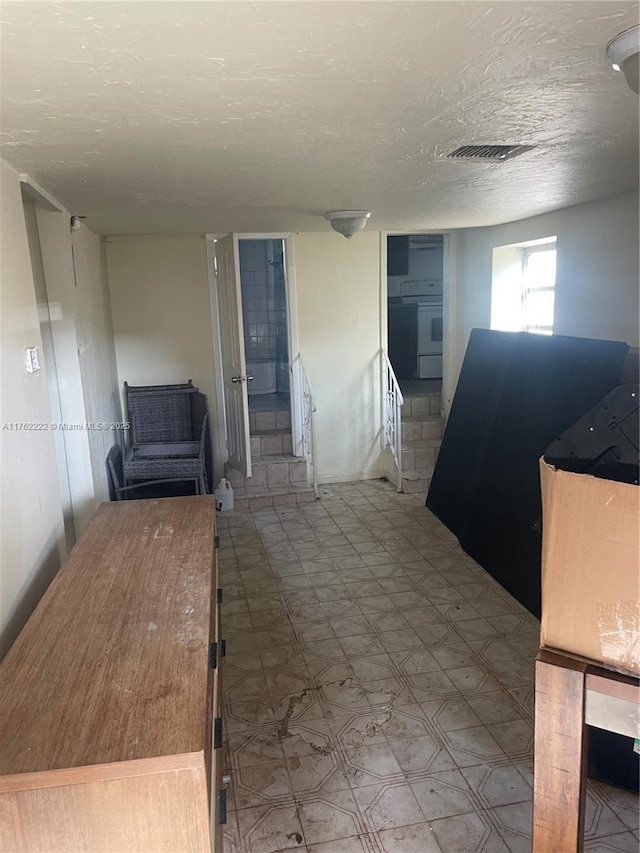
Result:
pixel 222 806
pixel 217 733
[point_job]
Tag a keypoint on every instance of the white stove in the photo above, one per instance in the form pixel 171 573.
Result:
pixel 430 339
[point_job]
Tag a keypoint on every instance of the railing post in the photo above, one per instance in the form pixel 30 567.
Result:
pixel 392 413
pixel 398 438
pixel 308 408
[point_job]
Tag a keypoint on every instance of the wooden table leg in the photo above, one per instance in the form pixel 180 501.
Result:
pixel 559 759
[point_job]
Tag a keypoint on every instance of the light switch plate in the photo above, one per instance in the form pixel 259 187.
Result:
pixel 31 354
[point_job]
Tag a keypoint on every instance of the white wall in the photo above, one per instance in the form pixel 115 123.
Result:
pixel 161 316
pixel 338 289
pixel 31 529
pixel 596 280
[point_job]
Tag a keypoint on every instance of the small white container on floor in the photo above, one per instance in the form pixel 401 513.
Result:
pixel 224 496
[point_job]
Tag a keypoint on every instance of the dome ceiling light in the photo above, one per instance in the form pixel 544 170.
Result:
pixel 622 52
pixel 348 222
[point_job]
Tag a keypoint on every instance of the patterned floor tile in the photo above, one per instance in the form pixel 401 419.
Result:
pixel 471 746
pixel 371 763
pixel 515 737
pixel 496 707
pixel 514 824
pixel 425 754
pixel 362 645
pixel 624 842
pixel 468 833
pixel 316 774
pixel 599 819
pixel 251 748
pixel 417 838
pixel 355 844
pixel 623 803
pixel 360 729
pixel 330 817
pixel 388 805
pixel 447 715
pixel 497 785
pixel 444 795
pixel 261 784
pixel 265 829
pixel 379 687
pixel 404 721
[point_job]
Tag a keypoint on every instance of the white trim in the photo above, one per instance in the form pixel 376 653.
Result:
pixel 384 321
pixel 276 235
pixel 294 342
pixel 540 242
pixel 219 430
pixel 248 461
pixel 292 327
pixel 449 319
pixel 38 194
pixel 449 303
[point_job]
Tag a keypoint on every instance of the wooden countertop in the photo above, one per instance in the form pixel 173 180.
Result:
pixel 115 653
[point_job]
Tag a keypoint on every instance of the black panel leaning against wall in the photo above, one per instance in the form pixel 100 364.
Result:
pixel 516 393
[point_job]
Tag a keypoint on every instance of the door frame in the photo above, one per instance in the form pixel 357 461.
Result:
pixel 449 303
pixel 219 439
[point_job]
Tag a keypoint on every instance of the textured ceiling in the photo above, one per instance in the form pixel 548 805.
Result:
pixel 261 116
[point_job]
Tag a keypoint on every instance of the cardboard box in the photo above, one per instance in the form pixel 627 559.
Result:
pixel 591 568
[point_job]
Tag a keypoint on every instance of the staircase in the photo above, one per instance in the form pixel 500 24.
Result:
pixel 278 478
pixel 422 428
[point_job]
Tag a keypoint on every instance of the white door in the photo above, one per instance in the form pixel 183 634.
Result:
pixel 234 368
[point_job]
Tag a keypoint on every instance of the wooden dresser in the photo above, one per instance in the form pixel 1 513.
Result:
pixel 111 697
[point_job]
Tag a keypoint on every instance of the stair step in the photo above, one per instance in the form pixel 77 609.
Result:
pixel 421 427
pixel 421 443
pixel 420 460
pixel 266 421
pixel 270 471
pixel 427 405
pixel 271 442
pixel 415 486
pixel 254 498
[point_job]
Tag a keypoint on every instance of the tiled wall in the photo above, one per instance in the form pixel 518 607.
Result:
pixel 264 305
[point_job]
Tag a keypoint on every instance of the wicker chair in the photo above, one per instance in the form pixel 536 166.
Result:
pixel 119 492
pixel 160 413
pixel 168 435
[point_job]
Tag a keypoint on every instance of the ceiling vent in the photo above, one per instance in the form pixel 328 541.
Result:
pixel 495 153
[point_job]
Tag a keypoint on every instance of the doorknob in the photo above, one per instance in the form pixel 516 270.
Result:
pixel 241 378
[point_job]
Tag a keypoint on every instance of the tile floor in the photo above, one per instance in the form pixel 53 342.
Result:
pixel 379 687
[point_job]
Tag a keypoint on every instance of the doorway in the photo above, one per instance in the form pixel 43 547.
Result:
pixel 265 324
pixel 253 303
pixel 415 296
pixel 49 360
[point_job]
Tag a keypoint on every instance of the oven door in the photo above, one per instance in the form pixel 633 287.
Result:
pixel 430 341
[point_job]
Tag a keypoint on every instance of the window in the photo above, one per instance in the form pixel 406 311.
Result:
pixel 538 288
pixel 523 287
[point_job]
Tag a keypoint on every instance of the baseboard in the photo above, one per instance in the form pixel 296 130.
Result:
pixel 352 476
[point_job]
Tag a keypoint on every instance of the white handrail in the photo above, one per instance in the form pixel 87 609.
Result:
pixel 392 402
pixel 308 410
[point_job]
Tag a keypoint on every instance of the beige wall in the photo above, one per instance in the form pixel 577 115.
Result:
pixel 55 242
pixel 161 316
pixel 596 279
pixel 82 383
pixel 30 508
pixel 96 351
pixel 338 289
